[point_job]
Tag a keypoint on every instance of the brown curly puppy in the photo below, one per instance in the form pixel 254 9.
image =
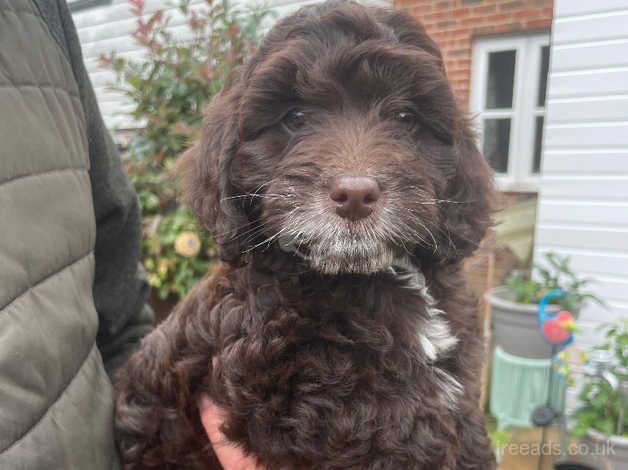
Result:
pixel 344 188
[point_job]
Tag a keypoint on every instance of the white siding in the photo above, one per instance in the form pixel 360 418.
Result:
pixel 107 28
pixel 104 29
pixel 583 201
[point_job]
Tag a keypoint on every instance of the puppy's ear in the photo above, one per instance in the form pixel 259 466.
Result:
pixel 205 169
pixel 466 218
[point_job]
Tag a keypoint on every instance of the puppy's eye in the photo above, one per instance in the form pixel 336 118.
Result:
pixel 408 119
pixel 295 119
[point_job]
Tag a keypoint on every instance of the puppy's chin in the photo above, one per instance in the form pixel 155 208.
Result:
pixel 344 256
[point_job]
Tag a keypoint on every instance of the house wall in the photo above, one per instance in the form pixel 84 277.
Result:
pixel 107 28
pixel 454 23
pixel 583 200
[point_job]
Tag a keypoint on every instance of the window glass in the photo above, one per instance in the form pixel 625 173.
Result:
pixel 501 78
pixel 509 84
pixel 543 77
pixel 497 143
pixel 538 141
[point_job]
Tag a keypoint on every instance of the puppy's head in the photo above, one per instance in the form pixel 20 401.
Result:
pixel 341 141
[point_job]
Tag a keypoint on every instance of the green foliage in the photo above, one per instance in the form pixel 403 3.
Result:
pixel 601 405
pixel 529 289
pixel 169 88
pixel 499 436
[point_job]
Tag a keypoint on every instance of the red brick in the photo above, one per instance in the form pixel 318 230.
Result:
pixel 497 18
pixel 462 31
pixel 484 10
pixel 461 52
pixel 437 15
pixel 460 12
pixel 532 13
pixel 448 24
pixel 514 26
pixel 420 10
pixel 443 4
pixel 447 41
pixel 484 30
pixel 462 67
pixel 437 35
pixel 473 21
pixel 453 24
pixel 539 23
pixel 511 5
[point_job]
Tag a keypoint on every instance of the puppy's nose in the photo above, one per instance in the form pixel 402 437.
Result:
pixel 354 196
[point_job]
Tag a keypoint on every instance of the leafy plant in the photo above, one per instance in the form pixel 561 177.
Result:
pixel 169 87
pixel 529 288
pixel 601 405
pixel 499 436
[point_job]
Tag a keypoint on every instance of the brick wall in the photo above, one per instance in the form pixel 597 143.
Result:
pixel 454 23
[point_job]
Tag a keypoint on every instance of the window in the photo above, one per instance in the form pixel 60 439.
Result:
pixel 508 85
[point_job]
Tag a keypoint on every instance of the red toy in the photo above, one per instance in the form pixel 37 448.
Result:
pixel 557 330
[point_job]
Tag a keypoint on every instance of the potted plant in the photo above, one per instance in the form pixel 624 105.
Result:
pixel 600 419
pixel 514 305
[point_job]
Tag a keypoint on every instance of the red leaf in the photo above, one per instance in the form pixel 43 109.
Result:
pixel 206 72
pixel 155 17
pixel 136 7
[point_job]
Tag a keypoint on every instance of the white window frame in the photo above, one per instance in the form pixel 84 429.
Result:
pixel 519 176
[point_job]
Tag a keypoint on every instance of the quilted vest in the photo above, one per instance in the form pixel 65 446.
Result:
pixel 55 397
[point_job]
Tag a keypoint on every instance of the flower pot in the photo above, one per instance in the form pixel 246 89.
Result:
pixel 514 326
pixel 604 452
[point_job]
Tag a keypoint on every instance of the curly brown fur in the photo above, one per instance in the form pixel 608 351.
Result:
pixel 330 343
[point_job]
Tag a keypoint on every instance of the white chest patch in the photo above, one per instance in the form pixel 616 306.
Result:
pixel 435 336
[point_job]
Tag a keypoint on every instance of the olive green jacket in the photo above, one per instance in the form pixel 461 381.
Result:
pixel 71 295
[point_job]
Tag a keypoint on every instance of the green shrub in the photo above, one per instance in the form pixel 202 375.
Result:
pixel 169 88
pixel 602 406
pixel 530 289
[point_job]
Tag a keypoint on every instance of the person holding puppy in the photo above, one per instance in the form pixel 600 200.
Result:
pixel 72 297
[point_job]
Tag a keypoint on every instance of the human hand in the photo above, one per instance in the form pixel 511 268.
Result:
pixel 231 457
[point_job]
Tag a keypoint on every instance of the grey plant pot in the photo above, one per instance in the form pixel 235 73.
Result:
pixel 514 326
pixel 604 452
